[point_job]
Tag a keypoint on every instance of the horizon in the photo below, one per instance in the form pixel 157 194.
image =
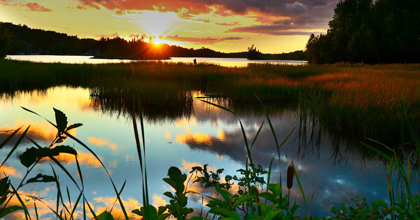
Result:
pixel 272 26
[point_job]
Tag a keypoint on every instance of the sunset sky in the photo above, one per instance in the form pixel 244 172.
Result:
pixel 273 26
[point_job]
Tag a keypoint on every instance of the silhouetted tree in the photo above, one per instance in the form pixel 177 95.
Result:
pixel 253 53
pixel 5 42
pixel 382 31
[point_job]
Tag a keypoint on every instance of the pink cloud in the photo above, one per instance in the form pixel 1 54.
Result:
pixel 4 2
pixel 37 7
pixel 31 6
pixel 160 5
pixel 207 40
pixel 110 35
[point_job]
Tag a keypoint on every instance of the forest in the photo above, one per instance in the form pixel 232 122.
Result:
pixel 367 31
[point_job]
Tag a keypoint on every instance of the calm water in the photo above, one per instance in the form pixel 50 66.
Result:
pixel 200 134
pixel 228 62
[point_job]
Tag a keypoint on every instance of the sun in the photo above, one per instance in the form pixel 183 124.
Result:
pixel 157 41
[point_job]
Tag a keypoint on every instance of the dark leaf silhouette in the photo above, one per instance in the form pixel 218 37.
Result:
pixel 61 120
pixel 41 178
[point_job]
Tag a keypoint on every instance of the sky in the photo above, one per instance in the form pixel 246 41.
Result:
pixel 273 26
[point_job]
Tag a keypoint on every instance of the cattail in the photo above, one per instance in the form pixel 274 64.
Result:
pixel 290 172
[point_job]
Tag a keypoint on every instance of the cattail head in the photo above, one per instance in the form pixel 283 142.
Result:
pixel 290 172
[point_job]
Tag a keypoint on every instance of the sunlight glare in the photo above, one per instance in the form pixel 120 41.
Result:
pixel 157 23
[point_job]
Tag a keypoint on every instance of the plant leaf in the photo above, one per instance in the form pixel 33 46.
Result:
pixel 9 210
pixel 61 120
pixel 73 126
pixel 41 178
pixel 16 145
pixel 65 149
pixel 9 138
pixel 105 215
pixel 242 199
pixel 28 157
pixel 225 194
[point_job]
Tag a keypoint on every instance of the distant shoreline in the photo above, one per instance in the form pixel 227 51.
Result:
pixel 123 57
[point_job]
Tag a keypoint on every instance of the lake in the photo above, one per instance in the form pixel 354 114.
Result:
pixel 184 134
pixel 227 62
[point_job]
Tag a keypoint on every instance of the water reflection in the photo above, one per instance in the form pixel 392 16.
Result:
pixel 183 131
pixel 168 105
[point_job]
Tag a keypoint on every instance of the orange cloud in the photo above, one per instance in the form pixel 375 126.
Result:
pixel 42 131
pixel 9 171
pixel 167 135
pixel 187 166
pixel 221 135
pixel 37 7
pixel 207 40
pixel 196 137
pixel 83 158
pixel 186 122
pixel 158 201
pixel 227 24
pixel 117 212
pixel 99 142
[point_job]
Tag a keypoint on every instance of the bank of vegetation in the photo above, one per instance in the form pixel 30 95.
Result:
pixel 382 31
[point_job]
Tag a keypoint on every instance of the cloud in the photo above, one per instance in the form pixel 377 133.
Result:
pixel 220 7
pixel 9 171
pixel 158 201
pixel 29 6
pixel 106 203
pixel 230 146
pixel 286 27
pixel 110 35
pixel 186 121
pixel 38 131
pixel 83 158
pixel 4 2
pixel 264 12
pixel 207 40
pixel 227 24
pixel 37 7
pixel 121 6
pixel 100 142
pixel 187 166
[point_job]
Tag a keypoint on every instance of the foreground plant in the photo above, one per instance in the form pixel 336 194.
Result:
pixel 30 158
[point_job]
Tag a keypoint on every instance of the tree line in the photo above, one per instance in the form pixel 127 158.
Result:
pixel 367 31
pixel 20 39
